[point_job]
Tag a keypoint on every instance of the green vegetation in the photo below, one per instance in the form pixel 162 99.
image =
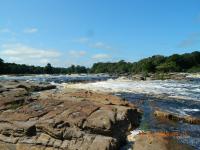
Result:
pixel 12 68
pixel 188 62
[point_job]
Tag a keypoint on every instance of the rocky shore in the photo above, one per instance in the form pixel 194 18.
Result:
pixel 158 141
pixel 39 116
pixel 160 76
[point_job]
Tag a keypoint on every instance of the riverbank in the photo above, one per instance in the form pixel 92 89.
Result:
pixel 159 76
pixel 75 78
pixel 177 99
pixel 69 116
pixel 40 116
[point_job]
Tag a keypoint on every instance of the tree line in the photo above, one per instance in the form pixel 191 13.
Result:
pixel 12 68
pixel 188 62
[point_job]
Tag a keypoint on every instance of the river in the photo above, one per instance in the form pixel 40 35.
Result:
pixel 181 97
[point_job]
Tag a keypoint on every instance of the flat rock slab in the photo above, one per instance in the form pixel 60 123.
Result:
pixel 63 119
pixel 155 141
pixel 15 93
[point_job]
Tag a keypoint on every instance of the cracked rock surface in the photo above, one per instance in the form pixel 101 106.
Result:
pixel 39 116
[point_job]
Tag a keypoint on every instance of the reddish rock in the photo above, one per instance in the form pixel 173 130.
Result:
pixel 156 141
pixel 67 119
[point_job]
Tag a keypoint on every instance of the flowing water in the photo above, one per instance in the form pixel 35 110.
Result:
pixel 57 79
pixel 180 97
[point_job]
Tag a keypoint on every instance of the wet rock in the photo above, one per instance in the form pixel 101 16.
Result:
pixel 192 120
pixel 154 141
pixel 176 117
pixel 160 76
pixel 33 87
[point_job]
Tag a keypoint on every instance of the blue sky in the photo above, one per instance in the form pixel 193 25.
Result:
pixel 65 32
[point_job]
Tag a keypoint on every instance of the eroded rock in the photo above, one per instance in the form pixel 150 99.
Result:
pixel 67 119
pixel 175 117
pixel 158 141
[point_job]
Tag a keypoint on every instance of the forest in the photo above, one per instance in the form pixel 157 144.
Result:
pixel 12 68
pixel 188 62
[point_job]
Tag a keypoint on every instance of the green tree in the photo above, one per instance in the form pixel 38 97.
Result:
pixel 168 67
pixel 1 66
pixel 1 61
pixel 48 69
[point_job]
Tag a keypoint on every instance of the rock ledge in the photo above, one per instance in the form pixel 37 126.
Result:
pixel 67 119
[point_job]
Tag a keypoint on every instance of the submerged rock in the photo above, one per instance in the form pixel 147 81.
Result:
pixel 175 117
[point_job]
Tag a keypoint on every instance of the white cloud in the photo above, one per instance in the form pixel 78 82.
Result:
pixel 75 53
pixel 97 45
pixel 101 56
pixel 24 54
pixel 101 45
pixel 82 40
pixel 30 30
pixel 7 31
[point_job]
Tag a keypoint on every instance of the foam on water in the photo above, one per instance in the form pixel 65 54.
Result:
pixel 171 88
pixel 191 110
pixel 169 95
pixel 197 75
pixel 186 111
pixel 58 79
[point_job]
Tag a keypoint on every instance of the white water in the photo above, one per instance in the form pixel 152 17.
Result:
pixel 168 88
pixel 186 93
pixel 56 78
